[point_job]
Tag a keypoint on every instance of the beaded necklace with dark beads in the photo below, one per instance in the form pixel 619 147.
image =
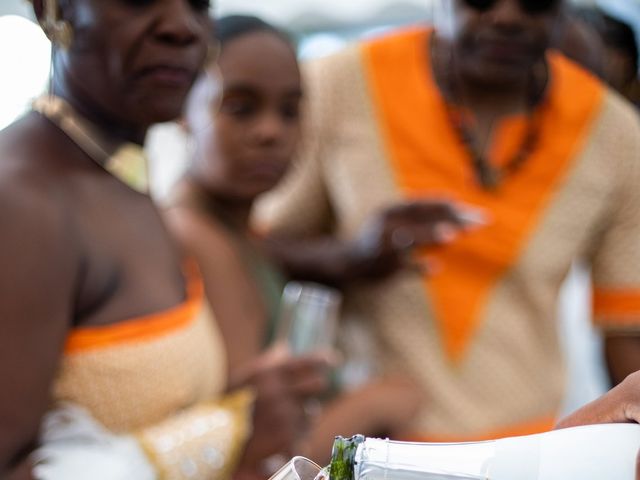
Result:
pixel 488 175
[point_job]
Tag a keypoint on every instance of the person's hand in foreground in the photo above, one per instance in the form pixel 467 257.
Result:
pixel 620 405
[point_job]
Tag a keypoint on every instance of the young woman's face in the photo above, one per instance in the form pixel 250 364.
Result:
pixel 496 41
pixel 245 147
pixel 136 60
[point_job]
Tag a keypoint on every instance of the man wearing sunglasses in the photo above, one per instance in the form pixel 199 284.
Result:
pixel 478 110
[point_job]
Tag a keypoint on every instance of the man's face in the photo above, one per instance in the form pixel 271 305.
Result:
pixel 497 42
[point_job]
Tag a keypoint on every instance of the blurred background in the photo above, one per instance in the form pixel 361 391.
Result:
pixel 320 27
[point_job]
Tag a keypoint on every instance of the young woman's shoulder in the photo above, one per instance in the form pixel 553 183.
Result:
pixel 198 231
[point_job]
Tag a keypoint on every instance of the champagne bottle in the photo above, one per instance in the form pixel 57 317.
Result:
pixel 598 452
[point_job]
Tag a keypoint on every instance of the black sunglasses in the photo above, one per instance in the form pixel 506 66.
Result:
pixel 529 6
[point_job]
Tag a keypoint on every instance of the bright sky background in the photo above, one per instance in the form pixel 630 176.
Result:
pixel 24 62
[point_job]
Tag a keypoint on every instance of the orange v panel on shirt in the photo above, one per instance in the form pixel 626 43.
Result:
pixel 427 157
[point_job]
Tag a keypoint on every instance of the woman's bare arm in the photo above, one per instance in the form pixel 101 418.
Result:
pixel 37 283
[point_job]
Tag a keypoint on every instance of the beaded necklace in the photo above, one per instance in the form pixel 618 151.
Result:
pixel 489 175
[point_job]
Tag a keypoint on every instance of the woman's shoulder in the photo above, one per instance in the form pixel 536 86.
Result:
pixel 31 153
pixel 29 180
pixel 193 219
pixel 197 229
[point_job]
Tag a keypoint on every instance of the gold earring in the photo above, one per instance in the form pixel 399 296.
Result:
pixel 57 30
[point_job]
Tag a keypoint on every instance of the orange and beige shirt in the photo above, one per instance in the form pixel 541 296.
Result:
pixel 480 335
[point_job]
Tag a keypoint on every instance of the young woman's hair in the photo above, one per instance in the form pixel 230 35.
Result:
pixel 233 26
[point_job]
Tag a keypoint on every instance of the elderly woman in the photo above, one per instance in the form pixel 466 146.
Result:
pixel 98 306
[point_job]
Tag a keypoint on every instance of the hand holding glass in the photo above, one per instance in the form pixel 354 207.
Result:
pixel 308 317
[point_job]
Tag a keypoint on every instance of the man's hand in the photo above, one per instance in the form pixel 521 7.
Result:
pixel 383 244
pixel 620 405
pixel 381 247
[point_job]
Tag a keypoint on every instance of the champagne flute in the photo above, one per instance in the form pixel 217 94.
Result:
pixel 309 314
pixel 298 468
pixel 308 317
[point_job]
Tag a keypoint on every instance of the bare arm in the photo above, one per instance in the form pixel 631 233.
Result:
pixel 382 246
pixel 324 259
pixel 37 277
pixel 19 472
pixel 365 410
pixel 233 295
pixel 623 356
pixel 620 405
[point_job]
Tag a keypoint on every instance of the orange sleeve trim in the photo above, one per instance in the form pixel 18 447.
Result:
pixel 620 306
pixel 145 328
pixel 528 428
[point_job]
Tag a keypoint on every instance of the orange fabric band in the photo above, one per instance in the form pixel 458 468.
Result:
pixel 618 306
pixel 528 428
pixel 143 328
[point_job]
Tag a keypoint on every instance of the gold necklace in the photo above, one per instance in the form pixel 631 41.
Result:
pixel 125 161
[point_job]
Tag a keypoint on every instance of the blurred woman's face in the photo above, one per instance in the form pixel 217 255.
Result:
pixel 496 41
pixel 135 60
pixel 246 145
